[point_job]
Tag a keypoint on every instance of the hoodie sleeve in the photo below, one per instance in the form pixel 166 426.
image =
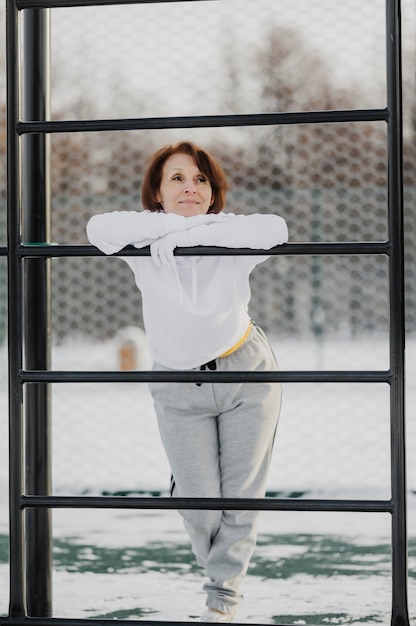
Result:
pixel 258 231
pixel 111 232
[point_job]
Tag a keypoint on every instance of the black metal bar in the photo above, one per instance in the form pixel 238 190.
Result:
pixel 400 614
pixel 232 504
pixel 36 306
pixel 62 621
pixel 394 377
pixel 53 4
pixel 307 248
pixel 204 121
pixel 17 603
pixel 179 376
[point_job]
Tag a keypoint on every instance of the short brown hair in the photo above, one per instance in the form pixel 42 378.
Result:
pixel 208 166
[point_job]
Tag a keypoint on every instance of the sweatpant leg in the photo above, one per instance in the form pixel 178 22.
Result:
pixel 218 439
pixel 187 419
pixel 246 425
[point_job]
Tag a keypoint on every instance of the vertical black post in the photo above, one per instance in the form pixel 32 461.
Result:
pixel 37 322
pixel 400 615
pixel 17 605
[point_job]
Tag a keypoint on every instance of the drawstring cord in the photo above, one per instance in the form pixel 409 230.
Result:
pixel 194 282
pixel 211 365
pixel 178 283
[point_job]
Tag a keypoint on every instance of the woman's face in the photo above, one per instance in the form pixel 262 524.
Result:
pixel 184 189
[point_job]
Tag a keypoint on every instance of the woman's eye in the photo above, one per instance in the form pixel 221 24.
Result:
pixel 197 179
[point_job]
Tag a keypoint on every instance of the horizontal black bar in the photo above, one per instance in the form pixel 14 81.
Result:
pixel 54 4
pixel 232 504
pixel 94 621
pixel 204 121
pixel 3 250
pixel 309 248
pixel 186 376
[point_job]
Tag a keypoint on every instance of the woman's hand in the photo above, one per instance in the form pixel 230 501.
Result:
pixel 162 249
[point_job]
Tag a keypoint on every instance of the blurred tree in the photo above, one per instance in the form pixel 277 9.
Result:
pixel 329 180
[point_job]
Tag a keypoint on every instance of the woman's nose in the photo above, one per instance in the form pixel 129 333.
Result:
pixel 190 186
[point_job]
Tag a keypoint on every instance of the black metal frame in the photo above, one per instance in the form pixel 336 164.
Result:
pixel 31 494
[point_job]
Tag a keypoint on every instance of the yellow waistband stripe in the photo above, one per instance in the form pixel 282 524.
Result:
pixel 239 342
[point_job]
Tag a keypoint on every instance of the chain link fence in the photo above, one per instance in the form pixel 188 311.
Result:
pixel 328 181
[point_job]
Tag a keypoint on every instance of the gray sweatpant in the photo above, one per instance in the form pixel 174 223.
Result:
pixel 218 439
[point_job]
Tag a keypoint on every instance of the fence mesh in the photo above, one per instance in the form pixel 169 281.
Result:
pixel 327 180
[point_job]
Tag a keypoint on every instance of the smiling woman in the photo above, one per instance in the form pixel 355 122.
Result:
pixel 184 189
pixel 218 437
pixel 178 171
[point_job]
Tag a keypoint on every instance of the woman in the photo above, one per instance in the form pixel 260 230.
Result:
pixel 218 437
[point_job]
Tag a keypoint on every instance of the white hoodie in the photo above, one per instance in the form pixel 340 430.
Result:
pixel 195 308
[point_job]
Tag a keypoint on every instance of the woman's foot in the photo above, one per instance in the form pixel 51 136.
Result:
pixel 213 615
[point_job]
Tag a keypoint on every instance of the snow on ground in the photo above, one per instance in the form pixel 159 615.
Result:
pixel 307 568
